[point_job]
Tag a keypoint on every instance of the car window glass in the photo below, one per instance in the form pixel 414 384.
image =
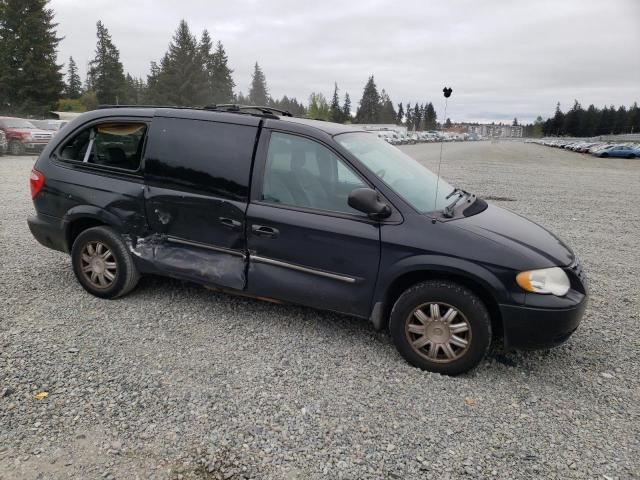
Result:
pixel 201 156
pixel 109 144
pixel 303 173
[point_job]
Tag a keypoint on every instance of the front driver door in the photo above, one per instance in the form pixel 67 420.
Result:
pixel 306 244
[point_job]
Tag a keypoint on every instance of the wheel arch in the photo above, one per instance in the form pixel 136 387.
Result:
pixel 80 218
pixel 485 288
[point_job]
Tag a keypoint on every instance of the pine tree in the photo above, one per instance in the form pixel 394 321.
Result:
pixel 369 111
pixel 73 88
pixel 448 123
pixel 558 121
pixel 409 116
pixel 182 78
pixel 400 115
pixel 258 92
pixel 416 117
pixel 30 78
pixel 221 76
pixel 346 107
pixel 336 114
pixel 431 118
pixel 105 70
pixel 515 122
pixel 206 57
pixel 387 112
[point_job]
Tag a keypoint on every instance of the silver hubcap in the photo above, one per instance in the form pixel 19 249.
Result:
pixel 438 332
pixel 98 264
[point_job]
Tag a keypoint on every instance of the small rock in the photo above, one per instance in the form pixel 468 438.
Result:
pixel 73 350
pixel 606 375
pixel 6 392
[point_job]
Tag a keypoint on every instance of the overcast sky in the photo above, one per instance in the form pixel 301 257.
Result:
pixel 502 58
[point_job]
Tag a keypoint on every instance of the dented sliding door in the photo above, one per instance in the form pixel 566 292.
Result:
pixel 196 186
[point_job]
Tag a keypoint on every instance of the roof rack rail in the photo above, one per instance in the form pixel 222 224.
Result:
pixel 233 107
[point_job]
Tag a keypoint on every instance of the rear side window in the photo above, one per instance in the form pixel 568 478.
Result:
pixel 201 156
pixel 117 145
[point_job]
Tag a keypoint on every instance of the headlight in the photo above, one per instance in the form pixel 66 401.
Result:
pixel 548 280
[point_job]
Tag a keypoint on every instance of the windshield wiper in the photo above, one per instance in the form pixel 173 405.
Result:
pixel 459 194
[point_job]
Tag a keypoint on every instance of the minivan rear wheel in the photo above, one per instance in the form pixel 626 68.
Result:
pixel 441 326
pixel 102 264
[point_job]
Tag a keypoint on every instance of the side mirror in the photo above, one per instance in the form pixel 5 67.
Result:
pixel 366 200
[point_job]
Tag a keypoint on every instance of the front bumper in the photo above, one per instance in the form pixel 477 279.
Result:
pixel 528 328
pixel 34 147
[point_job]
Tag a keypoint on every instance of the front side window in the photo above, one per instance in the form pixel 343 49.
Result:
pixel 418 185
pixel 302 173
pixel 117 145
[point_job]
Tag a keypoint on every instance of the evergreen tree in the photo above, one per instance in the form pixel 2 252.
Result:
pixel 30 78
pixel 621 121
pixel 182 79
pixel 134 91
pixel 221 76
pixel 448 123
pixel 74 84
pixel 346 108
pixel 409 116
pixel 416 117
pixel 258 92
pixel 634 118
pixel 206 58
pixel 423 117
pixel 369 111
pixel 400 116
pixel 515 122
pixel 336 114
pixel 106 74
pixel 558 121
pixel 431 117
pixel 387 112
pixel 105 70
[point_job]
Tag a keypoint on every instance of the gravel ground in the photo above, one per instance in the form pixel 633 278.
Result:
pixel 176 381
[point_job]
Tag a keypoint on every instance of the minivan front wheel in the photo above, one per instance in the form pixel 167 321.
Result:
pixel 441 326
pixel 102 263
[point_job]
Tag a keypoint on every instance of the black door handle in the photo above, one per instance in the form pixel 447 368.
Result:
pixel 230 223
pixel 264 231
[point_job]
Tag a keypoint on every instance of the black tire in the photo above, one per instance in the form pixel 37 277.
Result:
pixel 470 310
pixel 125 273
pixel 16 148
pixel 604 155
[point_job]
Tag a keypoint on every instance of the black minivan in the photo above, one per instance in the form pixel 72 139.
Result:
pixel 252 200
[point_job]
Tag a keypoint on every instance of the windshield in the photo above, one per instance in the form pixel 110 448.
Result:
pixel 17 123
pixel 415 183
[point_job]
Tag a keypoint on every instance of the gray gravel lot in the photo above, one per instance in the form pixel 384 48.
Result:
pixel 176 381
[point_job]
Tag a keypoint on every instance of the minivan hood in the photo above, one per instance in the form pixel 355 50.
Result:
pixel 518 234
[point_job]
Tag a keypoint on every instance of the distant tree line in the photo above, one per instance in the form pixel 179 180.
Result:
pixel 593 121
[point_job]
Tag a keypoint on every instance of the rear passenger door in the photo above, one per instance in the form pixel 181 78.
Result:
pixel 197 175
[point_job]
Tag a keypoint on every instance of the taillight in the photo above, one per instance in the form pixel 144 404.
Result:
pixel 36 182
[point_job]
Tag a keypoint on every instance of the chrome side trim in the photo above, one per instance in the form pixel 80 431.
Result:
pixel 300 268
pixel 191 243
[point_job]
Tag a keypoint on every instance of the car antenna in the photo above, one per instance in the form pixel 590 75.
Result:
pixel 447 93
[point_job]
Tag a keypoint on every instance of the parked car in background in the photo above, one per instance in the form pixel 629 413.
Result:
pixel 52 125
pixel 23 136
pixel 4 145
pixel 622 151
